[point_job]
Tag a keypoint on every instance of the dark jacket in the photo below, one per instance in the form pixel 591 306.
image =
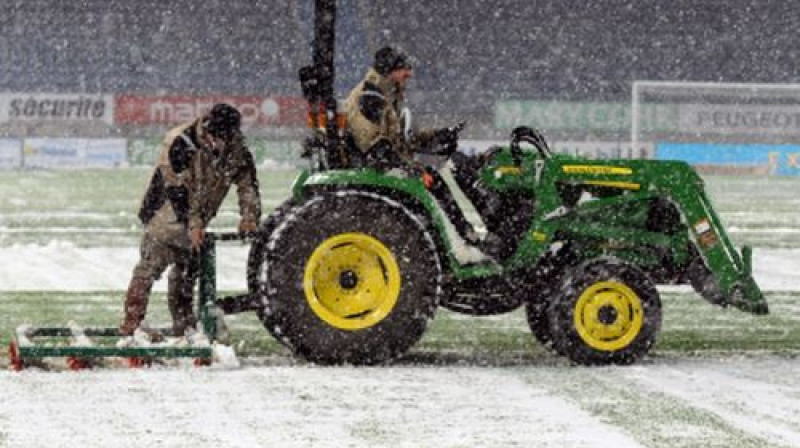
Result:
pixel 193 179
pixel 373 111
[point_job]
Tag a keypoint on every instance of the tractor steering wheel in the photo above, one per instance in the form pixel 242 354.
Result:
pixel 528 135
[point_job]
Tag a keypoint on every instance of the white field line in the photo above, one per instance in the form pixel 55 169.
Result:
pixel 771 230
pixel 61 266
pixel 62 214
pixel 59 214
pixel 759 397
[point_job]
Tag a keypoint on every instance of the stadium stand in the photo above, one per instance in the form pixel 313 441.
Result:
pixel 147 46
pixel 468 54
pixel 589 49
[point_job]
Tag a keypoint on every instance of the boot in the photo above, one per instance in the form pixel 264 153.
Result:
pixel 135 306
pixel 492 245
pixel 180 297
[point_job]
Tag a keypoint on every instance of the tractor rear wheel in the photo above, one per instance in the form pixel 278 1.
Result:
pixel 609 312
pixel 255 261
pixel 350 277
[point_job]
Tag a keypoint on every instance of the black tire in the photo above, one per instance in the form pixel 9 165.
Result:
pixel 618 309
pixel 333 267
pixel 257 255
pixel 539 323
pixel 546 285
pixel 536 309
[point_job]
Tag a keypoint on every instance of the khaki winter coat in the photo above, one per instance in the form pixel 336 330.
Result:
pixel 373 111
pixel 193 180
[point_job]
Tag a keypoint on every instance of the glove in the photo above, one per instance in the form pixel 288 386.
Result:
pixel 447 138
pixel 197 237
pixel 247 226
pixel 381 154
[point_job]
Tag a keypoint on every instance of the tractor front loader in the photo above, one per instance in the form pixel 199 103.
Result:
pixel 353 266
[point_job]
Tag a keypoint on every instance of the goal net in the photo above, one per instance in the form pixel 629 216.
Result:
pixel 747 128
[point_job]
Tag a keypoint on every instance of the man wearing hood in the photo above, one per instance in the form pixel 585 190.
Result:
pixel 197 164
pixel 373 111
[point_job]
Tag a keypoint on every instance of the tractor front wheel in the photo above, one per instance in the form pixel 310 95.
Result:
pixel 609 312
pixel 536 309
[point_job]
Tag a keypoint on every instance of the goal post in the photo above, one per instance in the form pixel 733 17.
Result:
pixel 738 124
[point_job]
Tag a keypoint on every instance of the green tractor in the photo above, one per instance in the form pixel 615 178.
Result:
pixel 352 267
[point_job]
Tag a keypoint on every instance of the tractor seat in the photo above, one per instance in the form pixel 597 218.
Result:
pixel 347 155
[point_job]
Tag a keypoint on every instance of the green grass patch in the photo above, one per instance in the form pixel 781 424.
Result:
pixel 654 419
pixel 690 326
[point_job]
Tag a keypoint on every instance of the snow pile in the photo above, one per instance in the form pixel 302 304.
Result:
pixel 62 266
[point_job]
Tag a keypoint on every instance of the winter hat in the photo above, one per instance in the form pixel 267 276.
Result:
pixel 387 59
pixel 222 121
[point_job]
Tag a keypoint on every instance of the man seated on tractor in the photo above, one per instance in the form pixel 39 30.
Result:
pixel 373 111
pixel 197 164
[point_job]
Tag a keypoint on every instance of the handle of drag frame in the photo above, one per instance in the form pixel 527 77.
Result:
pixel 232 236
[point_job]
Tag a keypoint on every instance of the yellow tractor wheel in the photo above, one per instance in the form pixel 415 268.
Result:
pixel 352 281
pixel 608 312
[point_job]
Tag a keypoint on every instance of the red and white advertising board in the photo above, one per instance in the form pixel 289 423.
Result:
pixel 257 111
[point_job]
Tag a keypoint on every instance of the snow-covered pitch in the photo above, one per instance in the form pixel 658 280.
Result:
pixel 672 398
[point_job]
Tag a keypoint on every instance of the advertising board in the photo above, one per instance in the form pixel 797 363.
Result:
pixel 38 107
pixel 10 153
pixel 590 149
pixel 582 116
pixel 685 117
pixel 75 153
pixel 756 159
pixel 174 109
pixel 267 153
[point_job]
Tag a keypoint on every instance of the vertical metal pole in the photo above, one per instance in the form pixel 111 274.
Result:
pixel 635 117
pixel 323 52
pixel 208 287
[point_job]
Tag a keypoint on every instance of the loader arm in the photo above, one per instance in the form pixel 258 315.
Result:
pixel 642 180
pixel 731 269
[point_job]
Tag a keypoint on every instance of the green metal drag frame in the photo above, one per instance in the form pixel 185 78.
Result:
pixel 75 345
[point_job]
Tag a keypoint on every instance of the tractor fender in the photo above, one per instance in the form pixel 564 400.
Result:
pixel 410 192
